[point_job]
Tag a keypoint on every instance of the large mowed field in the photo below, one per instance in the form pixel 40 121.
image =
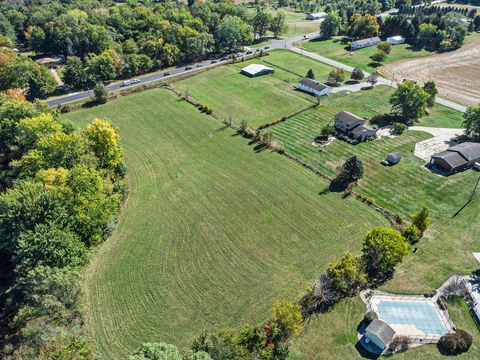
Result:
pixel 212 233
pixel 338 51
pixel 259 100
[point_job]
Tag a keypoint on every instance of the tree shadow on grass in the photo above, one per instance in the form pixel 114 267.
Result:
pixel 89 104
pixel 364 353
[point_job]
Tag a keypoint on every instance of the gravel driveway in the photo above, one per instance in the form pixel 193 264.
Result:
pixel 440 141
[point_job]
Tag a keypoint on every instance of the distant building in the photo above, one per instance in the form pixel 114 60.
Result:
pixel 360 44
pixel 456 158
pixel 353 126
pixel 51 62
pixel 314 87
pixel 254 70
pixel 315 16
pixel 395 40
pixel 394 157
pixel 379 333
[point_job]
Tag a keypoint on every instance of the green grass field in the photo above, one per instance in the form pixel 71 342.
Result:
pixel 213 232
pixel 258 100
pixel 335 50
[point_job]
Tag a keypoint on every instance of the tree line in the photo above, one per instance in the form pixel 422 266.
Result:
pixel 60 192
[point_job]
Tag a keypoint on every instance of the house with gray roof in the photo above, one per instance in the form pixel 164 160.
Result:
pixel 456 158
pixel 379 333
pixel 314 87
pixel 363 43
pixel 353 126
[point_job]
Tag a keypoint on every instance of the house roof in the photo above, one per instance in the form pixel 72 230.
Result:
pixel 361 128
pixel 452 158
pixel 318 14
pixel 397 37
pixel 255 69
pixel 48 60
pixel 366 41
pixel 381 330
pixel 469 150
pixel 347 117
pixel 313 84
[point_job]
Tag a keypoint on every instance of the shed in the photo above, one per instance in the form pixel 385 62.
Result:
pixel 395 40
pixel 379 333
pixel 315 16
pixel 394 157
pixel 314 87
pixel 51 61
pixel 254 70
pixel 359 44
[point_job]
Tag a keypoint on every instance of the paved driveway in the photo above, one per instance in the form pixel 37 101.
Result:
pixel 440 141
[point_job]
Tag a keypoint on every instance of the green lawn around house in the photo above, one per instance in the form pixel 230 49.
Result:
pixel 338 51
pixel 334 335
pixel 259 100
pixel 212 233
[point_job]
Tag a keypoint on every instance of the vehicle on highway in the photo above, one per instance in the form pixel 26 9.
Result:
pixel 136 81
pixel 249 52
pixel 188 68
pixel 130 82
pixel 239 54
pixel 267 47
pixel 199 65
pixel 213 61
pixel 166 74
pixel 223 58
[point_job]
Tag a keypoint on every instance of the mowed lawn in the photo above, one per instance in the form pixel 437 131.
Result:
pixel 257 101
pixel 212 232
pixel 336 50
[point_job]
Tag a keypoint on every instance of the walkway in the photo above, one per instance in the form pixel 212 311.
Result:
pixel 440 141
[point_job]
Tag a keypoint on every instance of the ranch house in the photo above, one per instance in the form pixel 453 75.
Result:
pixel 360 44
pixel 314 87
pixel 353 126
pixel 456 158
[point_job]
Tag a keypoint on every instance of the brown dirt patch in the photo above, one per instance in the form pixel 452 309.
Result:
pixel 456 73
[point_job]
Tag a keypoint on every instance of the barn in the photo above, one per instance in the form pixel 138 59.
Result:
pixel 254 70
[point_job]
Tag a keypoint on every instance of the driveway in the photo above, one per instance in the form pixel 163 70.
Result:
pixel 440 141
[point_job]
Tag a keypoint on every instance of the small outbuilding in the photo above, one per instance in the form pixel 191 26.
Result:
pixel 360 44
pixel 316 16
pixel 394 157
pixel 254 70
pixel 395 40
pixel 51 62
pixel 314 87
pixel 379 333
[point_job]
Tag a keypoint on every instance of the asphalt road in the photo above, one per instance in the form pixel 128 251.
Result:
pixel 287 44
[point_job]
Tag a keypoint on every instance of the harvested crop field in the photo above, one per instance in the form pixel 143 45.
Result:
pixel 456 73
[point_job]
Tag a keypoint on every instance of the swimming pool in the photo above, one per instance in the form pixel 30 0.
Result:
pixel 422 314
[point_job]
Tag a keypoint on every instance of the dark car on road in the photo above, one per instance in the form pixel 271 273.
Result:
pixel 188 68
pixel 199 65
pixel 249 52
pixel 166 74
pixel 213 61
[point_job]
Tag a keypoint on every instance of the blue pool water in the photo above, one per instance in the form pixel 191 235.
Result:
pixel 419 313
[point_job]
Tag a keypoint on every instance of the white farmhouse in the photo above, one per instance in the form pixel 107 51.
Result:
pixel 395 40
pixel 314 87
pixel 360 44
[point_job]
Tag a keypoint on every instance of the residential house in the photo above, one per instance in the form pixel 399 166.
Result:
pixel 360 44
pixel 456 158
pixel 314 87
pixel 353 126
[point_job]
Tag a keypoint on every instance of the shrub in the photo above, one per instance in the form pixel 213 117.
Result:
pixel 64 108
pixel 399 343
pixel 370 316
pixel 320 297
pixel 385 47
pixel 455 343
pixel 421 220
pixel 399 128
pixel 412 234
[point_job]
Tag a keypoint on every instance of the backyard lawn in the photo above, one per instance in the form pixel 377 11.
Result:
pixel 259 100
pixel 338 51
pixel 213 232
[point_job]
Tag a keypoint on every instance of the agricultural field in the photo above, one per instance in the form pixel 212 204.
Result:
pixel 336 50
pixel 213 232
pixel 258 100
pixel 456 73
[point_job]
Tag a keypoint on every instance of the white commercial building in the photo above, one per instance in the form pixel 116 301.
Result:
pixel 254 70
